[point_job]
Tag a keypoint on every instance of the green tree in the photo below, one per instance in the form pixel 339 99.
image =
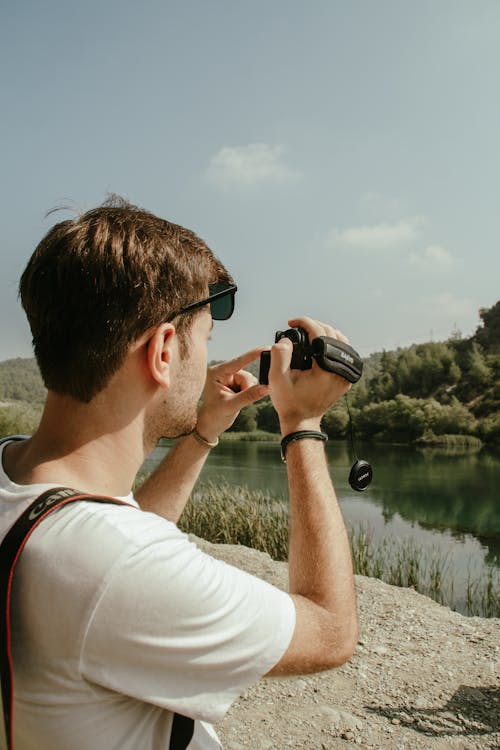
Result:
pixel 267 417
pixel 20 380
pixel 19 418
pixel 477 371
pixel 489 429
pixel 336 420
pixel 488 335
pixel 401 418
pixel 246 421
pixel 453 418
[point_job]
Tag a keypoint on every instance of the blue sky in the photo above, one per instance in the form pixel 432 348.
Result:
pixel 342 158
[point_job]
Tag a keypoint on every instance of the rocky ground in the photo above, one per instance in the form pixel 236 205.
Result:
pixel 422 677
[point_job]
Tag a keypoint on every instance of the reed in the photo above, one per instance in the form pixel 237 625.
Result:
pixel 224 514
pixel 254 436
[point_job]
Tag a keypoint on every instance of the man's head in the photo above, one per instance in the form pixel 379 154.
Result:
pixel 97 283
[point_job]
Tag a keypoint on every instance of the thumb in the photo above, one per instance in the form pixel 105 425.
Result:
pixel 281 357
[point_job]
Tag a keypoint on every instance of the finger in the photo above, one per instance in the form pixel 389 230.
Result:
pixel 281 356
pixel 341 336
pixel 313 327
pixel 233 365
pixel 238 381
pixel 249 396
pixel 335 333
pixel 318 328
pixel 244 379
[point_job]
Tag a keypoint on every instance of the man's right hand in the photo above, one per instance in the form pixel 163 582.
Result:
pixel 301 397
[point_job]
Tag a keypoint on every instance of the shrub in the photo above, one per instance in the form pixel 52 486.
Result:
pixel 489 429
pixel 336 420
pixel 19 418
pixel 267 417
pixel 454 418
pixel 246 420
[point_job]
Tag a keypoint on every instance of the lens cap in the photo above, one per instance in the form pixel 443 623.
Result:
pixel 361 475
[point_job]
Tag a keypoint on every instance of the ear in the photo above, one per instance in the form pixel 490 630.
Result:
pixel 160 350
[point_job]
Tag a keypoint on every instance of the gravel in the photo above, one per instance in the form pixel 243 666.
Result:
pixel 422 677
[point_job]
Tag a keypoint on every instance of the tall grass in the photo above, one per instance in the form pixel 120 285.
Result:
pixel 224 514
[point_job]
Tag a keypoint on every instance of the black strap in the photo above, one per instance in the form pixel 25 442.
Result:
pixel 181 733
pixel 300 435
pixel 10 551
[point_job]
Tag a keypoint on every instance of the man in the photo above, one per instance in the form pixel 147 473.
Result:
pixel 118 621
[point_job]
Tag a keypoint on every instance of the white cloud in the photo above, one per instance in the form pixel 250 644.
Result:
pixel 433 258
pixel 377 237
pixel 250 166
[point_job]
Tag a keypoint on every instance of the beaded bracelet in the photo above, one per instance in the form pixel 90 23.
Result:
pixel 299 436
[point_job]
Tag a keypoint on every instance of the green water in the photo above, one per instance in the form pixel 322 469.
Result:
pixel 443 500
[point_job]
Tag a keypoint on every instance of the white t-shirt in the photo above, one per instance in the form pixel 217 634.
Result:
pixel 118 620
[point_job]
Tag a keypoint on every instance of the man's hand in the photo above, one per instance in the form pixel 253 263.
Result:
pixel 228 389
pixel 301 397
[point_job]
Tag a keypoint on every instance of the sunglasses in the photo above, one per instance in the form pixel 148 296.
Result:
pixel 220 299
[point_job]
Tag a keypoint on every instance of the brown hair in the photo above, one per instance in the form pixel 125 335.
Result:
pixel 96 283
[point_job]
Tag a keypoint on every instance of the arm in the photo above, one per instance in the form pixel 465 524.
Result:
pixel 320 567
pixel 228 389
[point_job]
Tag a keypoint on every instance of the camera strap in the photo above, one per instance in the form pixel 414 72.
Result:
pixel 336 356
pixel 10 551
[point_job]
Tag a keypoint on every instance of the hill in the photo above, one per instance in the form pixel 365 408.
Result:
pixel 428 393
pixel 20 380
pixel 437 392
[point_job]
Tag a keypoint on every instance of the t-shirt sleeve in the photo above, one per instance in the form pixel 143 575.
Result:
pixel 177 628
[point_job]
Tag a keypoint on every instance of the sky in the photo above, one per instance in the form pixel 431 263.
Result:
pixel 342 158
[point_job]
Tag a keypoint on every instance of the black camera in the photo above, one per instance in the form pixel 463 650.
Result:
pixel 331 355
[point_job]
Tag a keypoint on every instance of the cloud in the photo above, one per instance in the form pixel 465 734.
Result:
pixel 250 166
pixel 433 258
pixel 377 237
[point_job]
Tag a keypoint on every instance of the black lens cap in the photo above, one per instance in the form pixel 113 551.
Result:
pixel 361 475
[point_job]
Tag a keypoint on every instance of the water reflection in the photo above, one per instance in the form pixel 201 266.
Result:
pixel 441 491
pixel 446 500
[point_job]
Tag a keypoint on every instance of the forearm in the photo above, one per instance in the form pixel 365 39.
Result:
pixel 227 390
pixel 320 563
pixel 168 488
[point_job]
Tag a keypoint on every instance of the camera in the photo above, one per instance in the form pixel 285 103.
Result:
pixel 331 355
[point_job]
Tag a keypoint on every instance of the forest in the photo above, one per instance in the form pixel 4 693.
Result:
pixel 437 392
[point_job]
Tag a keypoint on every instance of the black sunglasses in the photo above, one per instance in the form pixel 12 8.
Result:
pixel 220 299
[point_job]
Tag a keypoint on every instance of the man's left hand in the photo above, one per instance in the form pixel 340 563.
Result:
pixel 228 389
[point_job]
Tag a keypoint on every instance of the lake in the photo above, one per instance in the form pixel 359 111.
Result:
pixel 444 500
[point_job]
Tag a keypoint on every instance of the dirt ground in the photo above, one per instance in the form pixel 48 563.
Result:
pixel 422 677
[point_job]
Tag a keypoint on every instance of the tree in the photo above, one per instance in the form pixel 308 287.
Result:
pixel 335 421
pixel 246 421
pixel 488 335
pixel 454 418
pixel 267 417
pixel 478 372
